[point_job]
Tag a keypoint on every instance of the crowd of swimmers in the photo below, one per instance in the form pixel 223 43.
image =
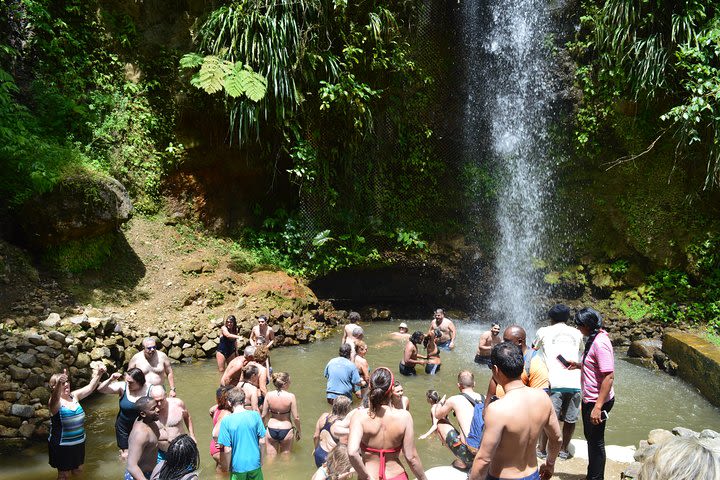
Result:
pixel 536 394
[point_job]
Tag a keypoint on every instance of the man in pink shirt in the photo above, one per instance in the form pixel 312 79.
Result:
pixel 598 372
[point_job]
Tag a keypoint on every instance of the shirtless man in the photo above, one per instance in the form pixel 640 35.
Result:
pixel 233 371
pixel 262 330
pixel 154 364
pixel 173 421
pixel 354 319
pixel 362 365
pixel 513 424
pixel 487 341
pixel 447 330
pixel 402 333
pixel 463 406
pixel 410 355
pixel 143 441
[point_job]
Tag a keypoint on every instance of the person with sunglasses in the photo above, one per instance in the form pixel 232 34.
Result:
pixel 154 364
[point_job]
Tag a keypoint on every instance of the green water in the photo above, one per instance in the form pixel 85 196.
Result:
pixel 645 400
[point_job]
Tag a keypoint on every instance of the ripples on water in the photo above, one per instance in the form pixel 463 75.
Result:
pixel 646 400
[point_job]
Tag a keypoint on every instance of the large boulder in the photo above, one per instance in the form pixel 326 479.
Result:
pixel 78 207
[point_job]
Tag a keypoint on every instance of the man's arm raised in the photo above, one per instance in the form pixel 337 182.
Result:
pixel 490 441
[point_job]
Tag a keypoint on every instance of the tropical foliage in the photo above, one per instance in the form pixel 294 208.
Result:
pixel 664 55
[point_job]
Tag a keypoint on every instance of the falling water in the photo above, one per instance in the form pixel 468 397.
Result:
pixel 506 115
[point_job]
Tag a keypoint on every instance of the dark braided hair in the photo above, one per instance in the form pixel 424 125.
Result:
pixel 182 458
pixel 381 385
pixel 592 320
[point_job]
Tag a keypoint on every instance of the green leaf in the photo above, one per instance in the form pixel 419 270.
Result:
pixel 212 74
pixel 191 60
pixel 234 85
pixel 254 84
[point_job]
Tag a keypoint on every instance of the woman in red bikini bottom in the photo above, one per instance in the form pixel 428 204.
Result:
pixel 380 433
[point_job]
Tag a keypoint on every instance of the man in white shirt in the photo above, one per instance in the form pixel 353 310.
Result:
pixel 561 340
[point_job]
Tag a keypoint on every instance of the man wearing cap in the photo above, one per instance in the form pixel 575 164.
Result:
pixel 561 340
pixel 402 333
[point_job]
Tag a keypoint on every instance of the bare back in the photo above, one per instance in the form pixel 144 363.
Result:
pixel 513 425
pixel 386 431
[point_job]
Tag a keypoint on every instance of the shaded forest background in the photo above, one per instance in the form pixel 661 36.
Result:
pixel 321 135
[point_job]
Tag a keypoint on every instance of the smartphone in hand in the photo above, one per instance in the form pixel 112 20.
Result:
pixel 562 360
pixel 603 415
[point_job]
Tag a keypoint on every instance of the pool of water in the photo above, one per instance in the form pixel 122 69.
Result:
pixel 646 399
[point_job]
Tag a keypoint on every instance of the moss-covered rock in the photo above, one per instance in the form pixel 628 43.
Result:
pixel 698 361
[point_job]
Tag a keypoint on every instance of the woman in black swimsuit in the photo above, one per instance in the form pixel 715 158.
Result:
pixel 227 348
pixel 281 414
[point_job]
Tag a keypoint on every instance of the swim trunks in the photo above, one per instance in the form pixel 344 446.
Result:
pixel 480 360
pixel 408 371
pixel 533 476
pixel 445 345
pixel 432 368
pixel 458 448
pixel 130 477
pixel 251 475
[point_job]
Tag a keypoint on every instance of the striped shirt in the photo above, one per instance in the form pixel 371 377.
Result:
pixel 67 426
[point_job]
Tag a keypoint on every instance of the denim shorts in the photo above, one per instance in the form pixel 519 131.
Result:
pixel 566 405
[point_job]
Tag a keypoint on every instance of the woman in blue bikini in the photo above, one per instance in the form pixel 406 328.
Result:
pixel 280 413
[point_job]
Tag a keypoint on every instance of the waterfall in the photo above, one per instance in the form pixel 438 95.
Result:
pixel 507 106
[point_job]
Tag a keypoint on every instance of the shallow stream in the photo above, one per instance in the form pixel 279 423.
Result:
pixel 646 399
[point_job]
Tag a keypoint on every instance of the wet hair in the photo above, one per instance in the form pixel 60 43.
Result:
pixel 360 345
pixel 142 403
pixel 249 351
pixel 221 397
pixel 263 317
pixel 345 350
pixel 683 459
pixel 440 310
pixel 358 332
pixel 559 314
pixel 182 457
pixel 261 353
pixel 341 406
pixel 590 318
pixel 338 462
pixel 433 396
pixel 248 371
pixel 137 375
pixel 466 378
pixel 416 337
pixel 280 379
pixel 236 397
pixel 493 324
pixel 231 318
pixel 381 383
pixel 508 357
pixel 354 317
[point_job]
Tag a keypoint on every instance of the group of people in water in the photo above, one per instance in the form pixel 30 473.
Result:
pixel 497 435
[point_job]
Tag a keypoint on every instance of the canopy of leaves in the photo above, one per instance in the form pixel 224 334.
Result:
pixel 664 54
